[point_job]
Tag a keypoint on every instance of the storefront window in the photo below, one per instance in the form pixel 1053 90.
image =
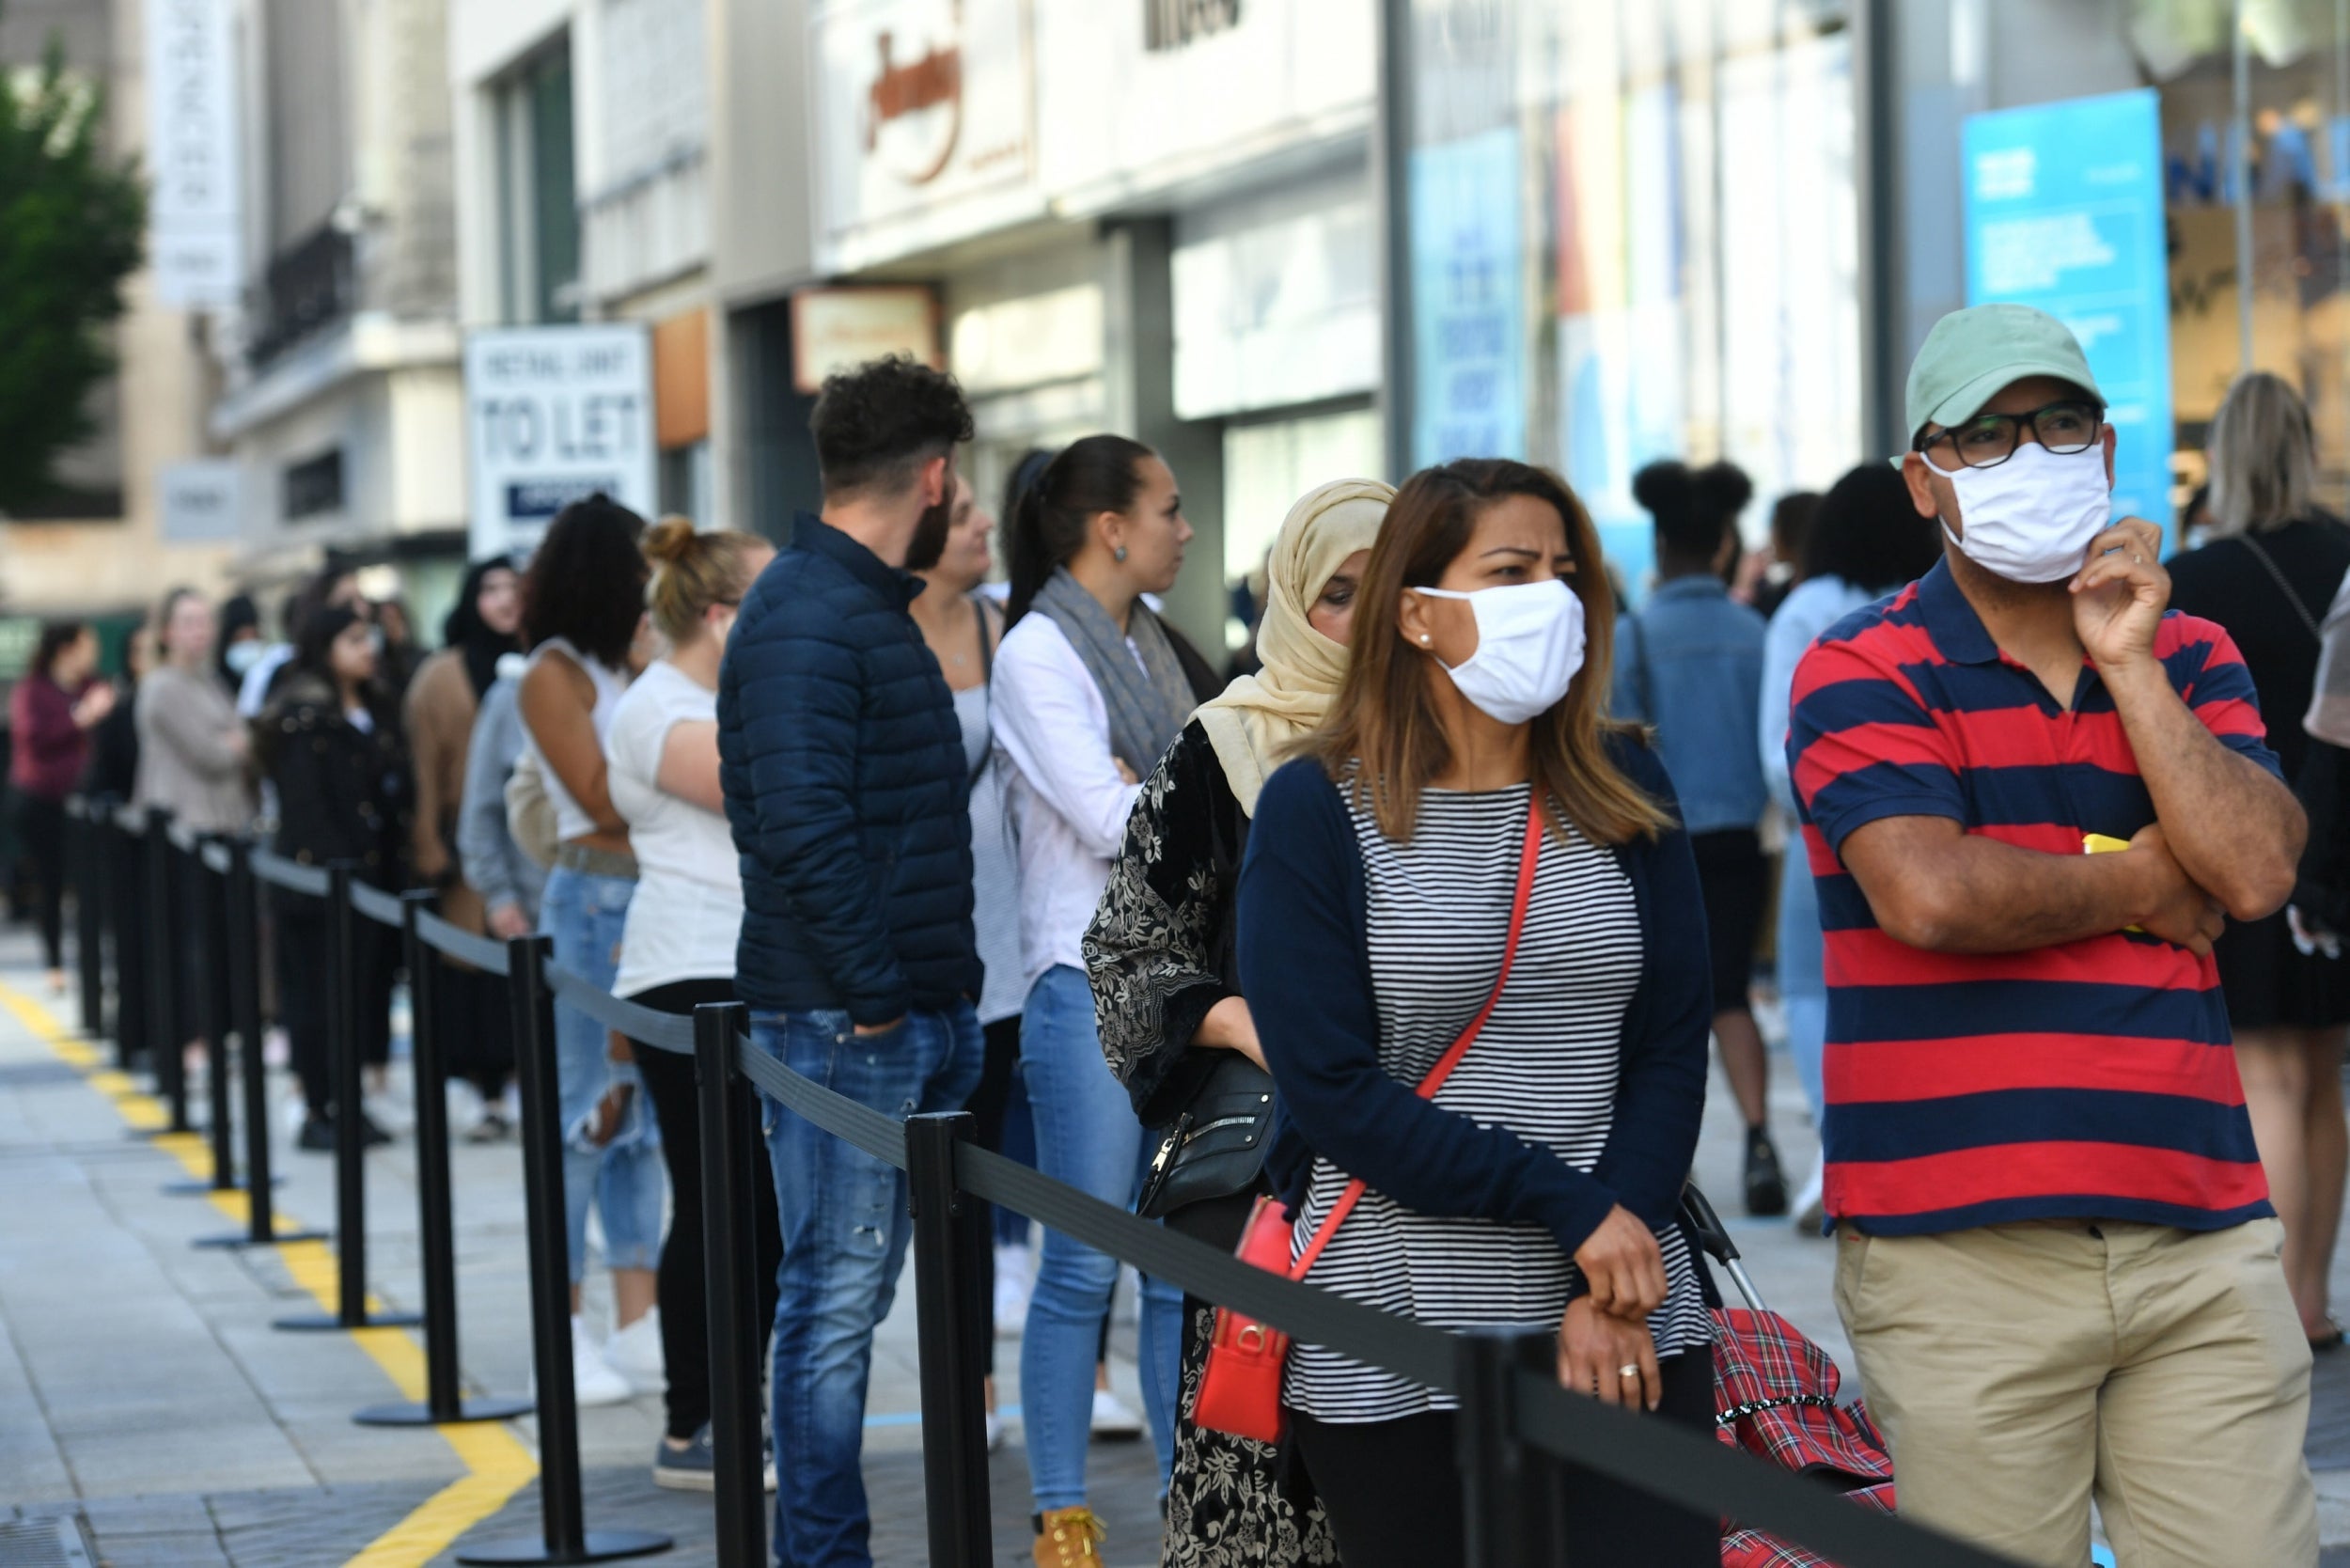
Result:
pixel 1634 236
pixel 2296 173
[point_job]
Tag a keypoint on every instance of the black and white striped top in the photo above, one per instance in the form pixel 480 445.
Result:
pixel 1544 1066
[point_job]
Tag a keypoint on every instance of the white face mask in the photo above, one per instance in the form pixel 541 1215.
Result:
pixel 1529 646
pixel 242 656
pixel 2030 519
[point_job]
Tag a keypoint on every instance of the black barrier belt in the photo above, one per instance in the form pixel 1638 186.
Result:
pixel 667 1031
pixel 291 875
pixel 458 943
pixel 216 858
pixel 376 904
pixel 881 1136
pixel 1304 1312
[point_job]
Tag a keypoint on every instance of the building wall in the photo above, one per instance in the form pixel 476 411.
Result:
pixel 156 405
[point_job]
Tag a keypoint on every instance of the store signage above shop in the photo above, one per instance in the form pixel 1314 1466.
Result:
pixel 201 502
pixel 1126 111
pixel 552 414
pixel 920 104
pixel 1172 23
pixel 194 213
pixel 834 329
pixel 2064 210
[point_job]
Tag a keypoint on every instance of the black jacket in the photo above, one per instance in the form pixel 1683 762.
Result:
pixel 844 776
pixel 343 793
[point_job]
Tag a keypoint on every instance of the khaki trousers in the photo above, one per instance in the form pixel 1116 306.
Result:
pixel 2020 1370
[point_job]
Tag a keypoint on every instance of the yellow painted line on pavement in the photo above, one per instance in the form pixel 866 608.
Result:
pixel 497 1463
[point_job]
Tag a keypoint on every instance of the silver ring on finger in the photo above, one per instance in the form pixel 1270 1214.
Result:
pixel 1627 1371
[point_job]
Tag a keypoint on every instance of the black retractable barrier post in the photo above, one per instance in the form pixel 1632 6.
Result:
pixel 125 933
pixel 163 1043
pixel 731 1150
pixel 88 850
pixel 350 1169
pixel 240 949
pixel 1511 1494
pixel 947 1243
pixel 199 908
pixel 441 1402
pixel 564 1535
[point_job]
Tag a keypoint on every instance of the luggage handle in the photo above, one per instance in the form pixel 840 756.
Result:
pixel 1705 1223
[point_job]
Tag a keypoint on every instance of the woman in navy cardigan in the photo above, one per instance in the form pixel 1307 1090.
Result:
pixel 1537 1185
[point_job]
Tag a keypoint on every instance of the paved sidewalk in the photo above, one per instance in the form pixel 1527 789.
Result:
pixel 144 1396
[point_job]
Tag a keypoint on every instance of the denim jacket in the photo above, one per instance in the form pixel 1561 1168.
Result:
pixel 1690 662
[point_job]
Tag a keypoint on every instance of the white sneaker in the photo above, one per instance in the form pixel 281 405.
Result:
pixel 593 1380
pixel 634 1353
pixel 1113 1417
pixel 995 1432
pixel 1013 1281
pixel 1811 1204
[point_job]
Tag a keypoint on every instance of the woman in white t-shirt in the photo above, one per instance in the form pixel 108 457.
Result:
pixel 677 948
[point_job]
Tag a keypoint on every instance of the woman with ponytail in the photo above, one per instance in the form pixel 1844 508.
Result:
pixel 678 945
pixel 1088 691
pixel 1692 667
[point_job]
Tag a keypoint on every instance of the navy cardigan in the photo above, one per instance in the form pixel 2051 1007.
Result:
pixel 1305 969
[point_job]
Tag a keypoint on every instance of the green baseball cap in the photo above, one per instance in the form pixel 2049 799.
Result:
pixel 1971 353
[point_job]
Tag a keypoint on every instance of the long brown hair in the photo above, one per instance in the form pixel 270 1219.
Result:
pixel 1385 718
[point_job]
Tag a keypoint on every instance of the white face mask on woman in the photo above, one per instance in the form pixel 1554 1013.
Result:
pixel 2030 518
pixel 1530 648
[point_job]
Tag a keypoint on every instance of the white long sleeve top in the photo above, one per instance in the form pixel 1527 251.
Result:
pixel 1068 799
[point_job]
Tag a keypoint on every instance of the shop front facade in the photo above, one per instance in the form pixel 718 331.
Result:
pixel 1120 217
pixel 1720 229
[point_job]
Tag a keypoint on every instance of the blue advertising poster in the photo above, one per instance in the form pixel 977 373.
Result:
pixel 1468 343
pixel 2064 210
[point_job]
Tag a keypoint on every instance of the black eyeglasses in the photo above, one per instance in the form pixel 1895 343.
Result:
pixel 1988 440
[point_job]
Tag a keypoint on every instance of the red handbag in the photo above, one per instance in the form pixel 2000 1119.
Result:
pixel 1240 1391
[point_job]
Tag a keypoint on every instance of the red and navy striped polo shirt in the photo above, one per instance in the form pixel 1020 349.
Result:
pixel 2095 1080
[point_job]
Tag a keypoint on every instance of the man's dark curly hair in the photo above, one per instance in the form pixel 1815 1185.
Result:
pixel 876 425
pixel 586 580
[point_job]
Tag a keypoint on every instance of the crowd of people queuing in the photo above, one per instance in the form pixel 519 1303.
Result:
pixel 1413 938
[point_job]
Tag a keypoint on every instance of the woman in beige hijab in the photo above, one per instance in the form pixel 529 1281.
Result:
pixel 1166 991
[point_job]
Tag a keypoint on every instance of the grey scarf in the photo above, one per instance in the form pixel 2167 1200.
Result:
pixel 1147 710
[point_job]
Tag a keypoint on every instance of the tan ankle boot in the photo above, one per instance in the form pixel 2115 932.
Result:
pixel 1067 1536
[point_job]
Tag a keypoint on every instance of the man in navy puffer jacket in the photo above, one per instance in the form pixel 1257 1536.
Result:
pixel 845 785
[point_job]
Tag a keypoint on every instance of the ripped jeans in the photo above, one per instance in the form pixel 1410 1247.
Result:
pixel 845 1230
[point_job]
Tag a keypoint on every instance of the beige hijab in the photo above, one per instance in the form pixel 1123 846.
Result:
pixel 1260 716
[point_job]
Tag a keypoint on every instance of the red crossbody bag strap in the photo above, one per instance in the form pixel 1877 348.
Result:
pixel 1459 1048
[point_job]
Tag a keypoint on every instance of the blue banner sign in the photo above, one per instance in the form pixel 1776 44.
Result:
pixel 2064 210
pixel 1469 339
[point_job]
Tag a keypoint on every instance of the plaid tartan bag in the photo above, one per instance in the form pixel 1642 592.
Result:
pixel 1775 1396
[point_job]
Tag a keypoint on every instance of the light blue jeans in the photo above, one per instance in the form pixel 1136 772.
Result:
pixel 624 1179
pixel 1802 973
pixel 845 1230
pixel 1088 1137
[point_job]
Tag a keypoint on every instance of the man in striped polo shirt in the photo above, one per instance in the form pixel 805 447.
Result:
pixel 2056 1256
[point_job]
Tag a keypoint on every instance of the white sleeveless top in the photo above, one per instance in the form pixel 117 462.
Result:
pixel 570 820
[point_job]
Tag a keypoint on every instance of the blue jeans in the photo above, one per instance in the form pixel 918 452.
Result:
pixel 1802 976
pixel 624 1179
pixel 1086 1138
pixel 845 1230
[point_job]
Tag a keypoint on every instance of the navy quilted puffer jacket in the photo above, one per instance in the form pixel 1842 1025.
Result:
pixel 843 769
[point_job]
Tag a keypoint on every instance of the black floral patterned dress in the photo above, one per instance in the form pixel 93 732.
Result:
pixel 1160 956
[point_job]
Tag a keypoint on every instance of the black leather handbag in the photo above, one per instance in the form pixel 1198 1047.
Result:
pixel 1218 1146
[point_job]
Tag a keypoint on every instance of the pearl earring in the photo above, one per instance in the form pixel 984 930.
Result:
pixel 1118 554
pixel 1423 639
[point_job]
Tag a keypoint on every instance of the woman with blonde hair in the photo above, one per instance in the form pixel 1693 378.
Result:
pixel 678 943
pixel 2268 571
pixel 1471 944
pixel 1174 1026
